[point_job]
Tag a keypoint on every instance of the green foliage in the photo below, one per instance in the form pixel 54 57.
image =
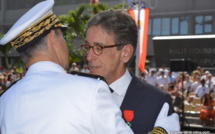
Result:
pixel 4 49
pixel 94 9
pixel 120 6
pixel 76 21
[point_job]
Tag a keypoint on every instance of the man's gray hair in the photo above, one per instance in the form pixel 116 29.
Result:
pixel 118 23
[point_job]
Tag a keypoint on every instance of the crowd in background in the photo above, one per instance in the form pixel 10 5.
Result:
pixel 8 76
pixel 182 86
pixel 186 87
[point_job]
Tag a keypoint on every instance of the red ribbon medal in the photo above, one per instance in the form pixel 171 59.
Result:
pixel 128 115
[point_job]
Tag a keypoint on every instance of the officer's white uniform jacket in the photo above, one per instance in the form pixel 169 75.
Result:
pixel 50 101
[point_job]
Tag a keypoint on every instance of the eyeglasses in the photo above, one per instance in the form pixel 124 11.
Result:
pixel 97 49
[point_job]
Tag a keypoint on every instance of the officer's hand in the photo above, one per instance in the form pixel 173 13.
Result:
pixel 169 123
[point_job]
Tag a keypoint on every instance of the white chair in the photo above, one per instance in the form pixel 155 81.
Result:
pixel 196 101
pixel 188 108
pixel 197 108
pixel 192 94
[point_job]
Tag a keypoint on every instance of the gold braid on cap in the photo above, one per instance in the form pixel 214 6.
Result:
pixel 35 30
pixel 158 130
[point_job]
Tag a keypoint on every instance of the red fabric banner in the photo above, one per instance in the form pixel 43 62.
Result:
pixel 142 23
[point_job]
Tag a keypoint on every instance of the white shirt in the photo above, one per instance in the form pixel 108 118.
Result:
pixel 166 71
pixel 7 84
pixel 201 91
pixel 120 87
pixel 210 84
pixel 163 81
pixel 151 79
pixel 85 70
pixel 195 86
pixel 73 69
pixel 50 101
pixel 187 84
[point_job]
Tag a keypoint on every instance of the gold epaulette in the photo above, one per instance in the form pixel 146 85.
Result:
pixel 158 130
pixel 95 76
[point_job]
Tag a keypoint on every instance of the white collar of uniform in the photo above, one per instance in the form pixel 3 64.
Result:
pixel 120 86
pixel 45 66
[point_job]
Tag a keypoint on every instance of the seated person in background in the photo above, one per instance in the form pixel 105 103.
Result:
pixel 171 77
pixel 178 82
pixel 187 83
pixel 151 78
pixel 205 76
pixel 177 103
pixel 85 69
pixel 162 82
pixel 207 112
pixel 194 85
pixel 189 100
pixel 202 89
pixel 195 75
pixel 74 67
pixel 171 90
pixel 210 82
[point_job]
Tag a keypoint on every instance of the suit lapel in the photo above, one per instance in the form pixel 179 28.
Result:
pixel 133 95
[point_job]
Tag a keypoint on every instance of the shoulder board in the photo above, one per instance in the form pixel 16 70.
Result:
pixel 158 130
pixel 95 76
pixel 8 88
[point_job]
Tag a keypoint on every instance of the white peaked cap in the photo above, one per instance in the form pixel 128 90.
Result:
pixel 38 20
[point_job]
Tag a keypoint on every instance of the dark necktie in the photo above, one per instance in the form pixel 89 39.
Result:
pixel 111 90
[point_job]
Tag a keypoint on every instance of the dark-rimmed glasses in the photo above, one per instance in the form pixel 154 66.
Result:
pixel 97 49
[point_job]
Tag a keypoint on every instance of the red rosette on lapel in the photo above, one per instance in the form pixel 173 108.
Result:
pixel 129 116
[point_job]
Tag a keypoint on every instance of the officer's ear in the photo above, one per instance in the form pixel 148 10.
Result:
pixel 53 43
pixel 51 37
pixel 126 53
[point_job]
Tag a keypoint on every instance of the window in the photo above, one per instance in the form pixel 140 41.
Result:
pixel 156 30
pixel 198 26
pixel 208 24
pixel 183 25
pixel 203 24
pixel 165 26
pixel 168 26
pixel 175 26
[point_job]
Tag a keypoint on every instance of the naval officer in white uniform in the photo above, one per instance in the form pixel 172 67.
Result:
pixel 48 100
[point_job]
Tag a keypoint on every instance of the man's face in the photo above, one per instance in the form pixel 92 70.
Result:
pixel 162 73
pixel 152 73
pixel 109 63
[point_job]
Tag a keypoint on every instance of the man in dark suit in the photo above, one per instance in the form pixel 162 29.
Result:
pixel 111 40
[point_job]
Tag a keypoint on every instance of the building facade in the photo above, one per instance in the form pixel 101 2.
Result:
pixel 167 17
